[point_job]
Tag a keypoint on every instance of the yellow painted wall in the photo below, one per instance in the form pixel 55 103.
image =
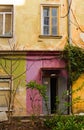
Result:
pixel 27 27
pixel 76 28
pixel 77 22
pixel 78 96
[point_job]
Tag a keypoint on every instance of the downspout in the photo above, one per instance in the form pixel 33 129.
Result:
pixel 68 21
pixel 69 64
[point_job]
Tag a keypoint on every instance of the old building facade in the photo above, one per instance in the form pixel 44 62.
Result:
pixel 32 38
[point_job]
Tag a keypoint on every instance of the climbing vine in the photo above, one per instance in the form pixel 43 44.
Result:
pixel 75 61
pixel 42 91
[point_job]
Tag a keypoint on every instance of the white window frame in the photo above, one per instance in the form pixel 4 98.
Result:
pixel 4 89
pixel 50 6
pixel 9 34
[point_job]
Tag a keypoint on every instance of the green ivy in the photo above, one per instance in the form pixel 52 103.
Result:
pixel 65 122
pixel 41 88
pixel 42 91
pixel 75 59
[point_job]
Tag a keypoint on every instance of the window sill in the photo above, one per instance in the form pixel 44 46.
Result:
pixel 50 37
pixel 6 36
pixel 3 116
pixel 5 109
pixel 4 89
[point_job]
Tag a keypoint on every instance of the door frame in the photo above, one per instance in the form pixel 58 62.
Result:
pixel 46 73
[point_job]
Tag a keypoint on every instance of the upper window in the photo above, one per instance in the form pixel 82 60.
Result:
pixel 50 21
pixel 6 20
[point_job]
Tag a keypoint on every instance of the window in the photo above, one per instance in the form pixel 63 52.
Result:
pixel 4 93
pixel 6 21
pixel 50 21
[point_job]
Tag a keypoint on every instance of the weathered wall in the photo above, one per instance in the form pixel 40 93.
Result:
pixel 15 66
pixel 78 96
pixel 77 22
pixel 20 86
pixel 34 101
pixel 27 27
pixel 76 28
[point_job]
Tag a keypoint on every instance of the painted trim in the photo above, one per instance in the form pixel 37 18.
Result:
pixel 3 35
pixel 50 5
pixel 30 53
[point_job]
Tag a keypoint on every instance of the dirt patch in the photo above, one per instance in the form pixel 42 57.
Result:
pixel 19 123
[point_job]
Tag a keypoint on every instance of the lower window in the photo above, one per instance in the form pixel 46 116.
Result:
pixel 4 93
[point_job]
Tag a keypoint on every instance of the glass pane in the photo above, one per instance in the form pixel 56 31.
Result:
pixel 1 24
pixel 46 20
pixel 54 11
pixel 54 30
pixel 54 21
pixel 8 24
pixel 45 11
pixel 4 84
pixel 5 8
pixel 4 96
pixel 46 30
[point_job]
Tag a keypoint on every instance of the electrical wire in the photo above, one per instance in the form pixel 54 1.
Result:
pixel 77 21
pixel 69 7
pixel 79 45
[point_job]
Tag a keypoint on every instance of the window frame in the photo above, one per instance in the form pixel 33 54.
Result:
pixel 57 6
pixel 4 13
pixel 5 89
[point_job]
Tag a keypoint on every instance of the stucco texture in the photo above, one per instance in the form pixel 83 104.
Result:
pixel 78 96
pixel 16 69
pixel 27 28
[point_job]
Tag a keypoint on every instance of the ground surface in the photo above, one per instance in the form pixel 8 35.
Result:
pixel 23 124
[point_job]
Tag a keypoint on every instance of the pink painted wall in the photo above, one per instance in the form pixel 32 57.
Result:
pixel 34 73
pixel 34 67
pixel 34 102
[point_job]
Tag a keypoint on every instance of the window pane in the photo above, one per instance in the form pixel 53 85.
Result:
pixel 6 20
pixel 50 20
pixel 4 84
pixel 54 21
pixel 54 11
pixel 1 24
pixel 45 11
pixel 54 30
pixel 46 20
pixel 46 30
pixel 4 96
pixel 8 24
pixel 6 8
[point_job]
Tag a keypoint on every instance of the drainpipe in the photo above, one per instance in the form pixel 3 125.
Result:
pixel 68 22
pixel 69 42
